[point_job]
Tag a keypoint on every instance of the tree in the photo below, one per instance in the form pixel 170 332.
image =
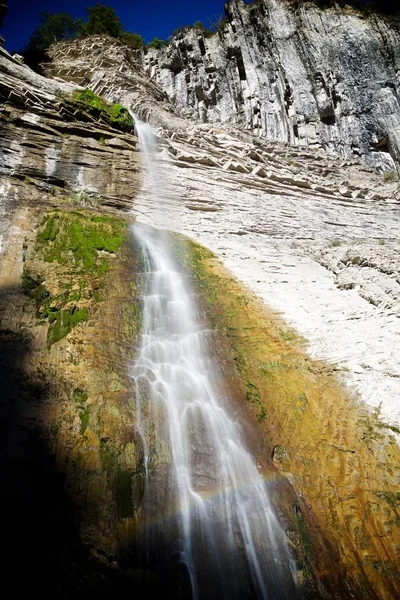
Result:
pixel 156 43
pixel 53 28
pixel 102 20
pixel 133 40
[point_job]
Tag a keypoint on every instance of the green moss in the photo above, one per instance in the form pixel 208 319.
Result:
pixel 393 499
pixel 92 103
pixel 84 417
pixel 115 114
pixel 35 289
pixel 120 118
pixel 390 176
pixel 63 322
pixel 79 396
pixel 97 295
pixel 82 245
pixel 254 397
pixel 76 239
pixel 108 457
pixel 287 335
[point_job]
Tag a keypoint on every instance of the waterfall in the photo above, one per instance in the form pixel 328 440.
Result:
pixel 209 530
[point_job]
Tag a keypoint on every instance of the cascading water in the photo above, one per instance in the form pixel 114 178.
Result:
pixel 209 529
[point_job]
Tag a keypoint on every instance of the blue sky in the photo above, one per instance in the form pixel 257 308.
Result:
pixel 150 18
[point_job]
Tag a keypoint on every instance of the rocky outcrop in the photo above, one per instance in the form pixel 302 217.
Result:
pixel 71 463
pixel 113 71
pixel 277 206
pixel 50 147
pixel 70 460
pixel 311 77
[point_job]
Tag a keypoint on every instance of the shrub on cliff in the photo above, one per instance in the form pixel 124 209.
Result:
pixel 156 43
pixel 103 20
pixel 52 28
pixel 115 114
pixel 133 40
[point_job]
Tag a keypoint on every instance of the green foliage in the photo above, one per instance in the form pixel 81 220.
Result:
pixel 133 40
pixel 120 118
pixel 79 243
pixel 91 103
pixel 206 32
pixel 115 114
pixel 34 289
pixel 76 239
pixel 102 20
pixel 156 43
pixel 84 417
pixel 53 28
pixel 63 322
pixel 79 396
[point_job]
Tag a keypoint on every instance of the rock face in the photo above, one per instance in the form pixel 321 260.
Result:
pixel 71 463
pixel 313 235
pixel 51 147
pixel 303 75
pixel 279 207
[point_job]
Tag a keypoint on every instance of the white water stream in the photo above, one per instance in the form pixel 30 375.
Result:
pixel 209 526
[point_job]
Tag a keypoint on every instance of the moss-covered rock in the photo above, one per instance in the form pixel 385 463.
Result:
pixel 115 115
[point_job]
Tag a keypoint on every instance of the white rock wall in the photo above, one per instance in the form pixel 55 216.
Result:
pixel 326 78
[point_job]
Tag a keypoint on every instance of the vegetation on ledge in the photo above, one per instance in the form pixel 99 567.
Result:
pixel 115 115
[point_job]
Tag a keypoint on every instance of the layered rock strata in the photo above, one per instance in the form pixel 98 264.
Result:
pixel 50 147
pixel 291 72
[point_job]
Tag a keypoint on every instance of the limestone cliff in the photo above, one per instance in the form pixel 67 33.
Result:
pixel 274 213
pixel 303 75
